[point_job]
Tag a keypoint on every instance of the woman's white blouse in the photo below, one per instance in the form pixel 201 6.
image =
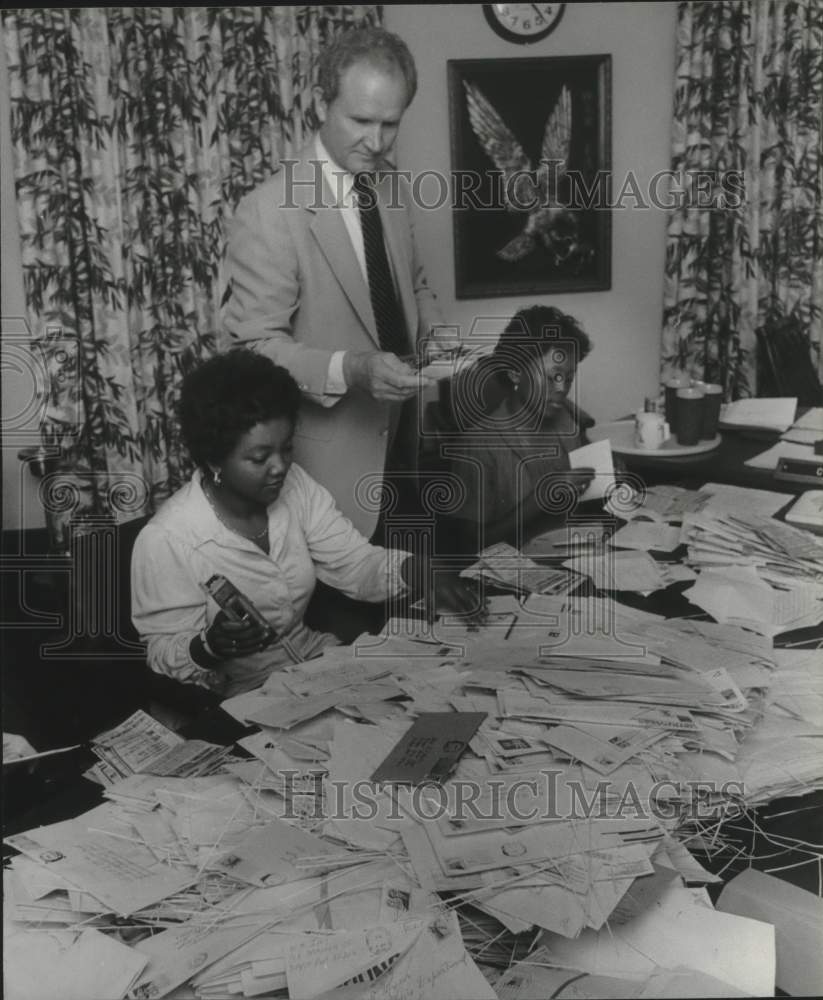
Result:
pixel 185 543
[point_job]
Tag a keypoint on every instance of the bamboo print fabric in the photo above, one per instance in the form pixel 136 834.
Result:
pixel 135 132
pixel 749 101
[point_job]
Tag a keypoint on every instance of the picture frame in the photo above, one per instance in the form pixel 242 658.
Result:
pixel 531 173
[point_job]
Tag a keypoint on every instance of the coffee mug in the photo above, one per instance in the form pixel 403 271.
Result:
pixel 689 415
pixel 650 430
pixel 678 381
pixel 712 400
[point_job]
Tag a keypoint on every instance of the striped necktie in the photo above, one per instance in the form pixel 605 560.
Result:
pixel 388 314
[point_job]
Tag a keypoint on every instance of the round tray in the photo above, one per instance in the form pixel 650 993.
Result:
pixel 620 435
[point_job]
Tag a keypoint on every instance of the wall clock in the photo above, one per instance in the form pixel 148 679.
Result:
pixel 523 22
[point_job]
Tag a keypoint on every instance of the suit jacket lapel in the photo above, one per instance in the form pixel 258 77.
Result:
pixel 330 232
pixel 332 237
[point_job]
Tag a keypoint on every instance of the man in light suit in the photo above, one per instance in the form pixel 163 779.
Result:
pixel 301 288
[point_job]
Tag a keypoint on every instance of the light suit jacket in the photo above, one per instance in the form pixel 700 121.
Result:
pixel 296 293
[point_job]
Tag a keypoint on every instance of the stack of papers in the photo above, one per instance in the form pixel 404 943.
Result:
pixel 738 596
pixel 646 535
pixel 770 458
pixel 142 745
pixel 680 928
pixel 673 503
pixel 806 429
pixel 773 414
pixel 505 567
pixel 605 743
pixel 617 570
pixel 780 553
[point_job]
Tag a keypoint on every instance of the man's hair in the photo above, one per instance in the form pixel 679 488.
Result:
pixel 223 398
pixel 379 48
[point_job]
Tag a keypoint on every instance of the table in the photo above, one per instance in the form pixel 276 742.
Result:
pixel 726 464
pixel 65 793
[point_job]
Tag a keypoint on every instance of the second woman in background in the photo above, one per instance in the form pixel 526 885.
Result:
pixel 517 428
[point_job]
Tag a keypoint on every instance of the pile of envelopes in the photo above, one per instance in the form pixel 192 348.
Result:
pixel 553 858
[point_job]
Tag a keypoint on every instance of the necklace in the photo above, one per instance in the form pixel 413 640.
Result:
pixel 252 538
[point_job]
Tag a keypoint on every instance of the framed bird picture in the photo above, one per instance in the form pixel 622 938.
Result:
pixel 531 175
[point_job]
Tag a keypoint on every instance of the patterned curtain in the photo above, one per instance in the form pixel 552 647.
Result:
pixel 747 254
pixel 136 130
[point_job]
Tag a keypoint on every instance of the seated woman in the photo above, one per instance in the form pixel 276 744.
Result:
pixel 253 516
pixel 517 427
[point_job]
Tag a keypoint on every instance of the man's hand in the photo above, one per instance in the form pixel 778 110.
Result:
pixel 443 342
pixel 382 375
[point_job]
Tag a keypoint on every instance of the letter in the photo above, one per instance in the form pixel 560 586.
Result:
pixel 630 189
pixel 700 806
pixel 581 196
pixel 521 182
pixel 443 190
pixel 552 199
pixel 703 188
pixel 461 801
pixel 339 811
pixel 363 794
pixel 579 795
pixel 291 183
pixel 551 795
pixel 417 800
pixel 731 789
pixel 637 805
pixel 394 177
pixel 289 793
pixel 461 189
pixel 733 183
pixel 394 809
pixel 511 799
pixel 675 194
pixel 666 809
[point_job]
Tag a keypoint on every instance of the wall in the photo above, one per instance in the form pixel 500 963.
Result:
pixel 21 508
pixel 624 323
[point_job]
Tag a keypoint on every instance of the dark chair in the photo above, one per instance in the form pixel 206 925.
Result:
pixel 100 658
pixel 785 366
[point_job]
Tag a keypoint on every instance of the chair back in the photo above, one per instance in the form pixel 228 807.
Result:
pixel 785 366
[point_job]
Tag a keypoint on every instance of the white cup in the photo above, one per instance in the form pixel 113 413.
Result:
pixel 650 430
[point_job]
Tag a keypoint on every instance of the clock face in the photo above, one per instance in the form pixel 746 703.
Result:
pixel 523 22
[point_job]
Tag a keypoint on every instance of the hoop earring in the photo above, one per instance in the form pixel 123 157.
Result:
pixel 216 477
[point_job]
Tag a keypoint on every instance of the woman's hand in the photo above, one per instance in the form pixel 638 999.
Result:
pixel 578 480
pixel 620 467
pixel 228 639
pixel 457 594
pixel 536 510
pixel 442 589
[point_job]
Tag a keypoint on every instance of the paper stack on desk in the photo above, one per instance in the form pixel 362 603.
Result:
pixel 770 458
pixel 781 554
pixel 738 596
pixel 142 745
pixel 763 413
pixel 807 429
pixel 504 566
pixel 560 844
pixel 617 570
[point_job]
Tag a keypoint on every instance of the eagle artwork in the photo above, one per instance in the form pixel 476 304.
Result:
pixel 529 192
